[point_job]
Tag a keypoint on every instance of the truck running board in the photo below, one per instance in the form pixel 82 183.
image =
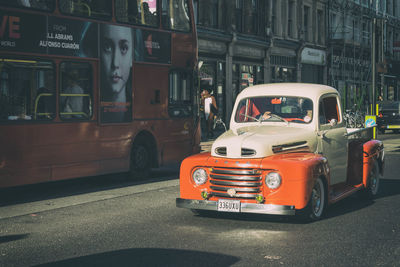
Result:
pixel 341 191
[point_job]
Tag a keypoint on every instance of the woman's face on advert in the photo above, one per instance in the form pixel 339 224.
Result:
pixel 116 56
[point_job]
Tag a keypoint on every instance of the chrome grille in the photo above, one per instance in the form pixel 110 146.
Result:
pixel 246 183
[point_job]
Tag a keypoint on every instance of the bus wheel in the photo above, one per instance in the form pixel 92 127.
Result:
pixel 140 161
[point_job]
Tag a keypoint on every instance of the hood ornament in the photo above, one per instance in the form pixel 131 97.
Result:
pixel 231 192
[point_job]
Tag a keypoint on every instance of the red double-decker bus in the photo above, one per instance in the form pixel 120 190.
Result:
pixel 95 87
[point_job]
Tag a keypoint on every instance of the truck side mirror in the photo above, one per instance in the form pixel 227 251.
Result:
pixel 333 122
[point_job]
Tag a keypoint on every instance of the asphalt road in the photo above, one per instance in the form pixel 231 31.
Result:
pixel 108 221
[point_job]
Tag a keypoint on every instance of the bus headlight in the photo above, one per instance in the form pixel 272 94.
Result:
pixel 199 176
pixel 273 180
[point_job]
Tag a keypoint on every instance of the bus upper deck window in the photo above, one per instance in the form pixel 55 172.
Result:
pixel 139 12
pixel 175 15
pixel 100 9
pixel 47 5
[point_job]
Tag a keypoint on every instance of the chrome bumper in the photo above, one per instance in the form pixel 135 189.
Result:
pixel 244 207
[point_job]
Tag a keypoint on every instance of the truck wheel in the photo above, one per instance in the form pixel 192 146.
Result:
pixel 317 203
pixel 373 181
pixel 140 161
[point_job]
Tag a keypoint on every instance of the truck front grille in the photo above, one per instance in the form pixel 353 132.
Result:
pixel 235 183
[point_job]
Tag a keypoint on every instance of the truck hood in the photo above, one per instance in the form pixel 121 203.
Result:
pixel 263 141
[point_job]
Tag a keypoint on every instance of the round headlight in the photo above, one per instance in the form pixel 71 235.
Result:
pixel 199 176
pixel 273 180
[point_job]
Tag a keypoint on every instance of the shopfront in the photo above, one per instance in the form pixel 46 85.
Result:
pixel 283 65
pixel 313 63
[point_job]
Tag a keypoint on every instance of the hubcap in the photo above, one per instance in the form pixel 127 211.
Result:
pixel 317 198
pixel 374 181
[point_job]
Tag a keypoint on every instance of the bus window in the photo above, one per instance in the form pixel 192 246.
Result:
pixel 100 9
pixel 180 88
pixel 140 12
pixel 175 15
pixel 26 90
pixel 47 5
pixel 75 91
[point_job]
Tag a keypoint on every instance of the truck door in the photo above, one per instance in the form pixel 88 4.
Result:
pixel 332 137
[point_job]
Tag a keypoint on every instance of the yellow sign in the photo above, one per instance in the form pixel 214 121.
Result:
pixel 370 121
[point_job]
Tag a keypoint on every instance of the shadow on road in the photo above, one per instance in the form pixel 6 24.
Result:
pixel 388 188
pixel 353 203
pixel 150 257
pixel 56 189
pixel 10 238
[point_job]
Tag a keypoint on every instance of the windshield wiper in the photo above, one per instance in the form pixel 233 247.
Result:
pixel 278 117
pixel 261 120
pixel 250 117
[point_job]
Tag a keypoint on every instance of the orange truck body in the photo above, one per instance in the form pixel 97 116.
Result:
pixel 298 159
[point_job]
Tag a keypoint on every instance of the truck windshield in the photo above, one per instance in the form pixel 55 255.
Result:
pixel 274 108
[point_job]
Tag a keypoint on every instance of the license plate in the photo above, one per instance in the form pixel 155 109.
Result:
pixel 228 205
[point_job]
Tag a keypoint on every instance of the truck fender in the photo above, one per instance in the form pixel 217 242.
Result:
pixel 320 170
pixel 372 152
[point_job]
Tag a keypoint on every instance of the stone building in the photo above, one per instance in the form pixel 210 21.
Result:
pixel 350 50
pixel 247 42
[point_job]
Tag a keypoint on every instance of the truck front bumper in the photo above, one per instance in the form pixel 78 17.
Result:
pixel 244 207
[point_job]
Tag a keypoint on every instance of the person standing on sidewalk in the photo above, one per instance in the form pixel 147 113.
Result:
pixel 210 110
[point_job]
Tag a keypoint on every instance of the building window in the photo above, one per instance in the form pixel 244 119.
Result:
pixel 214 13
pixel 273 17
pixel 251 17
pixel 365 33
pixel 282 74
pixel 291 19
pixel 306 22
pixel 238 15
pixel 320 26
pixel 206 13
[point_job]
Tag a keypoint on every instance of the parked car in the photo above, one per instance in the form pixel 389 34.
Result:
pixel 287 152
pixel 389 116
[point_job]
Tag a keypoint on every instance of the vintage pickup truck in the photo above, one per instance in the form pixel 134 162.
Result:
pixel 287 152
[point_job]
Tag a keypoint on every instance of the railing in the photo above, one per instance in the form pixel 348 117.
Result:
pixel 63 113
pixel 36 113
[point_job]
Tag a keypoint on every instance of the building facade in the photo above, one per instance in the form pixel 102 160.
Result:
pixel 350 48
pixel 248 42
